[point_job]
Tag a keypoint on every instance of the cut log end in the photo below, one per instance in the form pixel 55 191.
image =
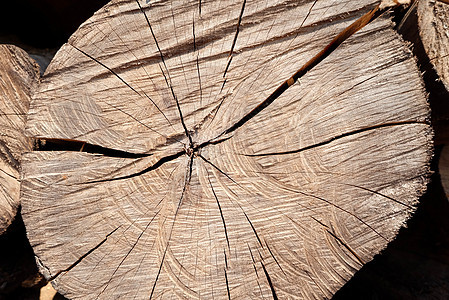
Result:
pixel 19 74
pixel 228 180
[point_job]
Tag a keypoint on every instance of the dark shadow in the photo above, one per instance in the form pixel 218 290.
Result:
pixel 35 26
pixel 43 23
pixel 416 264
pixel 438 94
pixel 19 276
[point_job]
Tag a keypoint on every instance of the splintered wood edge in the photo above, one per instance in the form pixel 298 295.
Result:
pixel 433 19
pixel 19 75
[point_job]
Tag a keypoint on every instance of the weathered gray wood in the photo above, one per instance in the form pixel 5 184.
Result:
pixel 237 218
pixel 434 31
pixel 18 76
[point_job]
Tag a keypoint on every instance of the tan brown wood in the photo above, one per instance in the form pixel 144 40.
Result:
pixel 210 193
pixel 434 31
pixel 19 74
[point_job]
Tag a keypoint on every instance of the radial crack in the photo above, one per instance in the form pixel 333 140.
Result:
pixel 221 212
pixel 186 183
pixel 122 80
pixel 186 131
pixel 255 270
pixel 382 195
pixel 334 44
pixel 80 146
pixel 225 258
pixel 211 142
pixel 84 256
pixel 168 81
pixel 340 208
pixel 231 52
pixel 217 168
pixel 127 254
pixel 254 229
pixel 153 167
pixel 340 241
pixel 197 62
pixel 308 13
pixel 272 255
pixel 143 124
pixel 158 273
pixel 332 139
pixel 227 284
pixel 273 291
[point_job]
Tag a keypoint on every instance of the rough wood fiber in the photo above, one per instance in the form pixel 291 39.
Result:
pixel 434 31
pixel 288 205
pixel 18 76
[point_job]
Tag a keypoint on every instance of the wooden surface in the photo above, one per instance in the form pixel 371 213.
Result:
pixel 289 204
pixel 414 265
pixel 434 31
pixel 438 94
pixel 19 74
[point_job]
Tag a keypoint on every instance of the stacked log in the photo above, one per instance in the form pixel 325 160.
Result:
pixel 19 75
pixel 181 170
pixel 434 32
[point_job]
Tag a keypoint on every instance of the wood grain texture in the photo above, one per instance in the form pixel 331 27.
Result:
pixel 288 205
pixel 434 31
pixel 19 74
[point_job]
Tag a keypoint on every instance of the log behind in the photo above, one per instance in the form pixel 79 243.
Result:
pixel 434 32
pixel 19 74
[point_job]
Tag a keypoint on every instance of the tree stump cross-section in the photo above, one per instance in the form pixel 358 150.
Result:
pixel 173 176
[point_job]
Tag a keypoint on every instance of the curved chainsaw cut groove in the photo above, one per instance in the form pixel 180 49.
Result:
pixel 122 80
pixel 229 204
